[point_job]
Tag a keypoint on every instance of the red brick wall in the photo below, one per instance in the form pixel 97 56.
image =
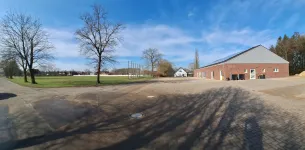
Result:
pixel 216 69
pixel 229 69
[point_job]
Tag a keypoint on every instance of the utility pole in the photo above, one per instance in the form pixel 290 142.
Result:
pixel 128 70
pixel 131 71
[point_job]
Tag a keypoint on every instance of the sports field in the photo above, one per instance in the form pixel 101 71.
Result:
pixel 74 81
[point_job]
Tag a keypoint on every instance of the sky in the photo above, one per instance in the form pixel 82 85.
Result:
pixel 216 28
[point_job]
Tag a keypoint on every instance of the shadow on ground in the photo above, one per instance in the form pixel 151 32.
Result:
pixel 161 80
pixel 223 118
pixel 4 96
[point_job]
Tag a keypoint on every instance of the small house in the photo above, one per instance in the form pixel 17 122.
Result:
pixel 180 73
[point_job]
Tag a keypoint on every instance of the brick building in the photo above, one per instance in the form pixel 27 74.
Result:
pixel 254 63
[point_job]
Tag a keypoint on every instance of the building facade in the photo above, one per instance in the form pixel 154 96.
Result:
pixel 254 63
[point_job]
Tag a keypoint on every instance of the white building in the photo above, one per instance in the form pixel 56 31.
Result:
pixel 180 73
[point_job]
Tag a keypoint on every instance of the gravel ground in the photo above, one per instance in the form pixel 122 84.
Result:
pixel 178 113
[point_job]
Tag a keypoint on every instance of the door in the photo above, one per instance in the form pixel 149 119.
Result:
pixel 212 75
pixel 220 75
pixel 252 74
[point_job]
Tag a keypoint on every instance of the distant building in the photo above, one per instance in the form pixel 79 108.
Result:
pixel 254 63
pixel 190 73
pixel 103 73
pixel 180 73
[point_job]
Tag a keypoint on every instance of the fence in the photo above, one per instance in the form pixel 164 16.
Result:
pixel 135 70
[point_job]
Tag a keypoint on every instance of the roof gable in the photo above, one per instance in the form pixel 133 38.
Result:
pixel 259 54
pixel 183 71
pixel 218 61
pixel 262 55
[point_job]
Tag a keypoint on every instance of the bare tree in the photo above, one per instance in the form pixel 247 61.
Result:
pixel 13 41
pixel 24 39
pixel 191 66
pixel 152 56
pixel 98 38
pixel 87 71
pixel 39 46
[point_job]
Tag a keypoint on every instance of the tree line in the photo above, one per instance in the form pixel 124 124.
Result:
pixel 291 49
pixel 10 69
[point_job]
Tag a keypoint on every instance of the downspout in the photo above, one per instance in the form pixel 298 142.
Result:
pixel 223 71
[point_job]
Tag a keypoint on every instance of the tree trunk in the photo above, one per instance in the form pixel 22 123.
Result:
pixel 32 73
pixel 25 76
pixel 152 70
pixel 98 70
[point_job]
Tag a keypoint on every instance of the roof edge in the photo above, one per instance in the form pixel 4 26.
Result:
pixel 242 52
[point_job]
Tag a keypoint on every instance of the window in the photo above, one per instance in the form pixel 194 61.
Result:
pixel 180 70
pixel 275 70
pixel 264 70
pixel 246 71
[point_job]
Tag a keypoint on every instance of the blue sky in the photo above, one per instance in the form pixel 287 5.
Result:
pixel 176 27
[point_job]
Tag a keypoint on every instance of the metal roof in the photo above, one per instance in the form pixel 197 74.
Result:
pixel 218 61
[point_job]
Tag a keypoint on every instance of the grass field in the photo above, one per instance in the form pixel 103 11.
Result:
pixel 74 81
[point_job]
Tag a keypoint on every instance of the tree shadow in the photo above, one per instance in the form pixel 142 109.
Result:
pixel 220 118
pixel 4 96
pixel 155 81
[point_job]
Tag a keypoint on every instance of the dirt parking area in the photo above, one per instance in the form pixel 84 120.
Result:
pixel 178 113
pixel 290 92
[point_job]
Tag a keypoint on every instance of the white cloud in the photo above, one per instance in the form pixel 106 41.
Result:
pixel 276 15
pixel 222 10
pixel 190 14
pixel 225 13
pixel 64 42
pixel 177 45
pixel 244 37
pixel 168 40
pixel 78 66
pixel 292 21
pixel 206 58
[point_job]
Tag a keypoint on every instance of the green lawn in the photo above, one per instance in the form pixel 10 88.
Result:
pixel 74 81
